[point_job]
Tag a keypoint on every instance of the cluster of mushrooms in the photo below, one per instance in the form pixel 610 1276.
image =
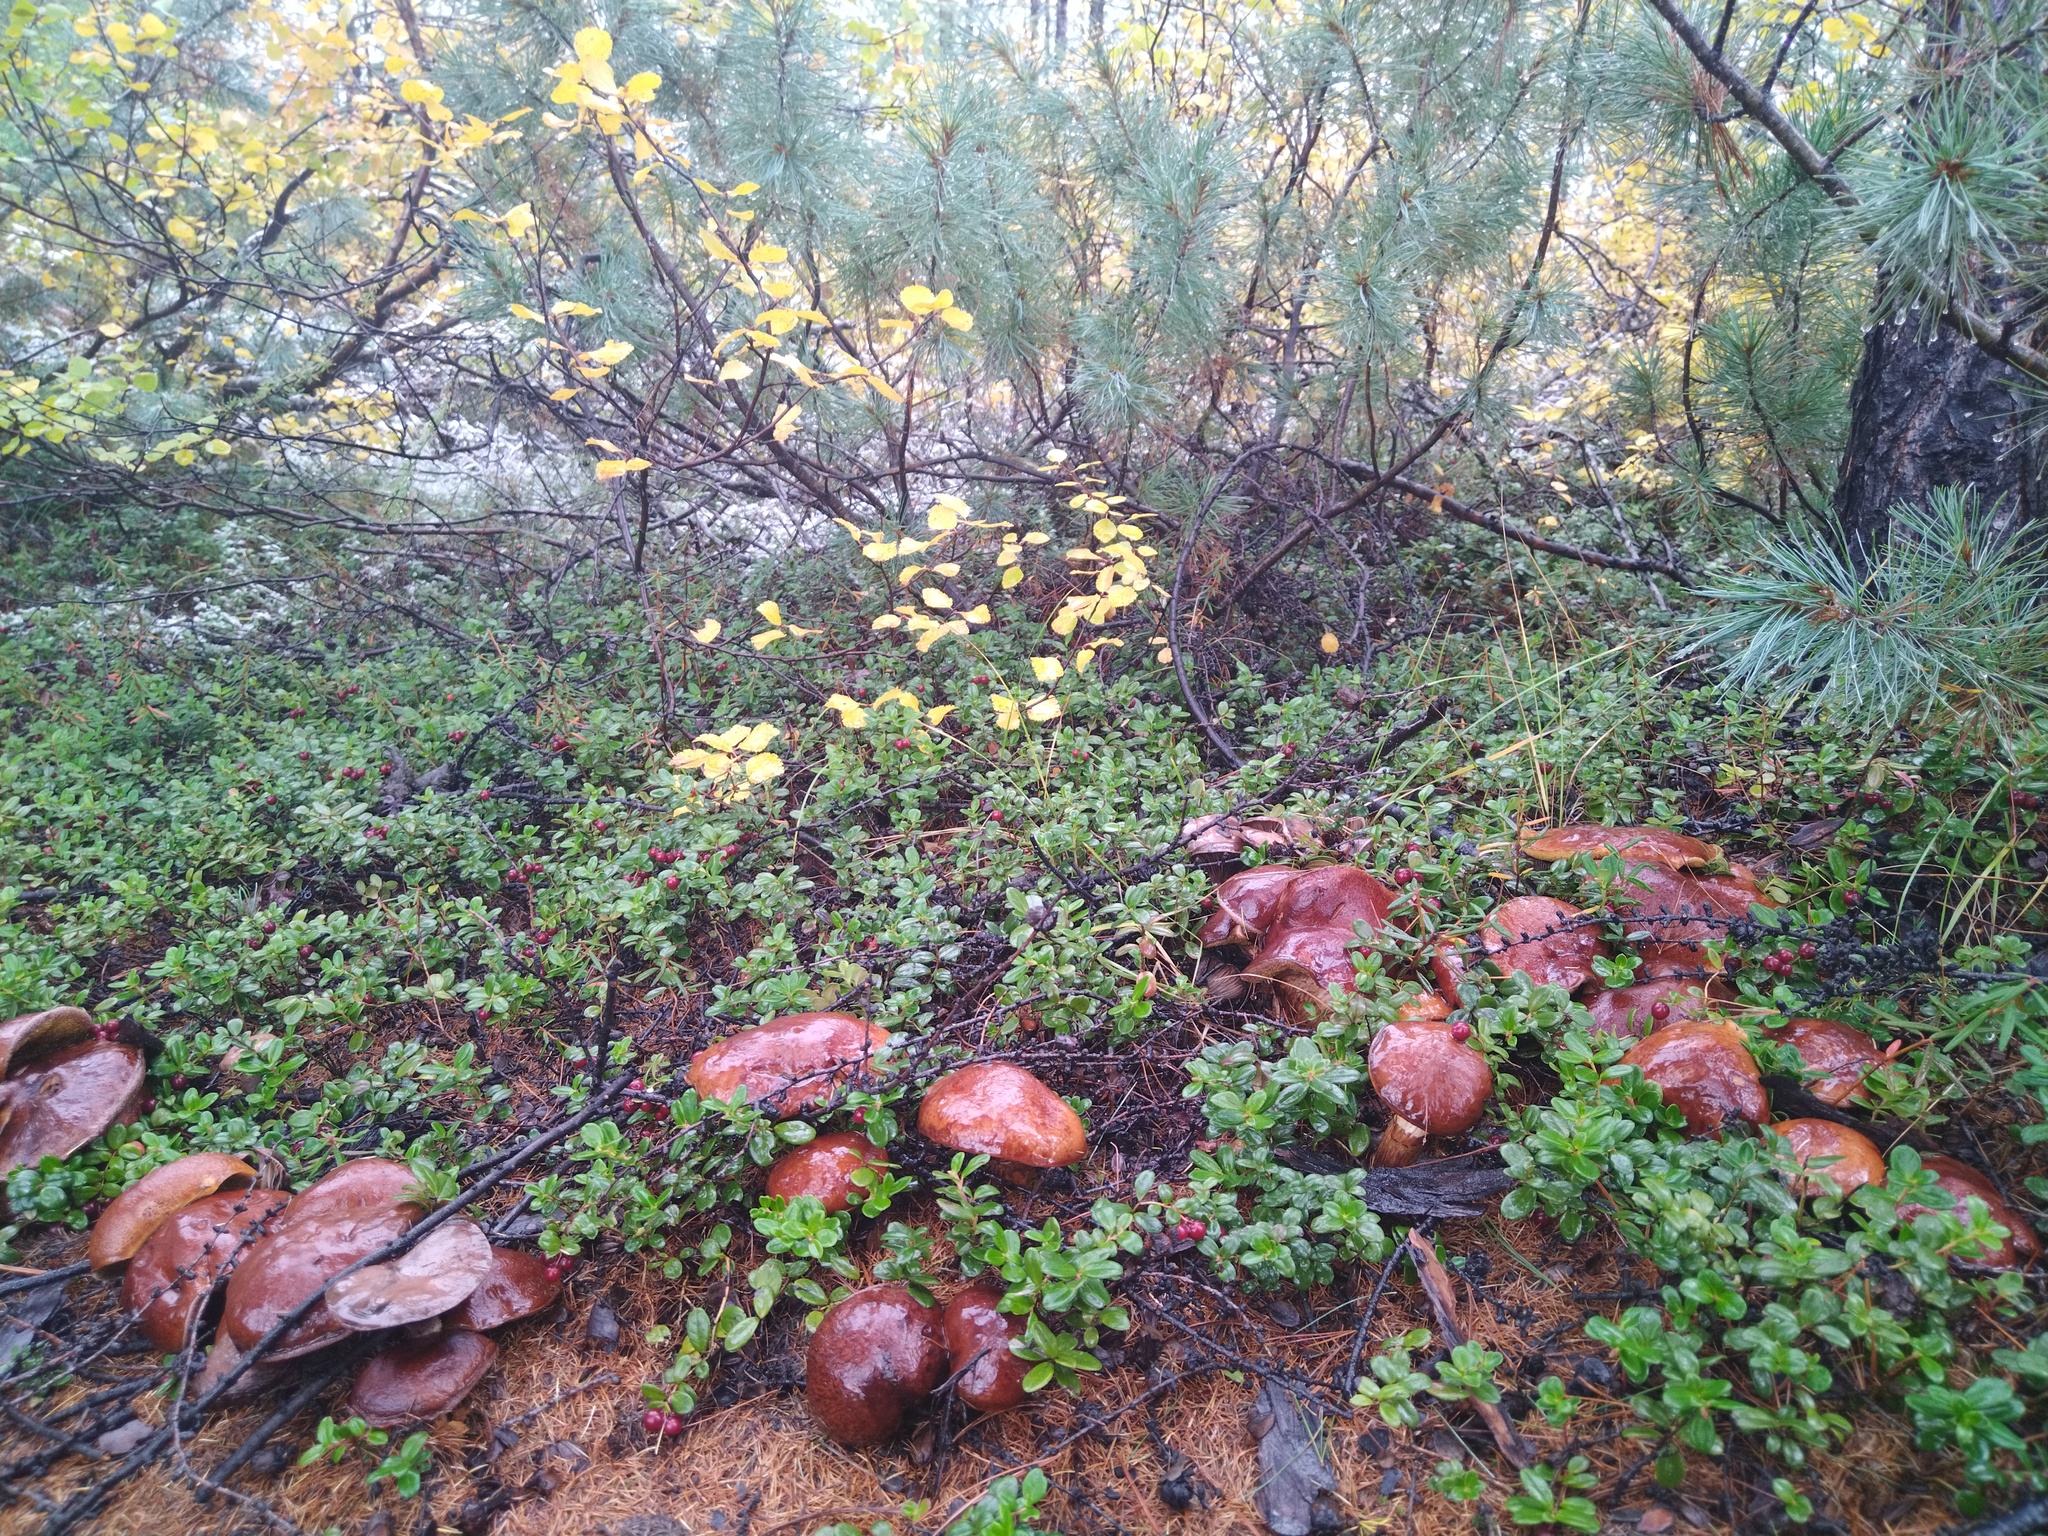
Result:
pixel 1297 928
pixel 66 1080
pixel 880 1351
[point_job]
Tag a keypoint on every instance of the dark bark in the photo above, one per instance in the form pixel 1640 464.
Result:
pixel 1930 408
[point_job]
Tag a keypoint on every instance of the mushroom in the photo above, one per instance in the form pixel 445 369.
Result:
pixel 1849 1159
pixel 516 1285
pixel 1650 845
pixel 1246 904
pixel 436 1273
pixel 173 1272
pixel 1214 837
pixel 1004 1111
pixel 1432 1081
pixel 875 1354
pixel 418 1380
pixel 1422 1006
pixel 1550 942
pixel 787 1062
pixel 1704 1067
pixel 1681 913
pixel 34 1033
pixel 1631 1012
pixel 222 1358
pixel 62 1100
pixel 1963 1182
pixel 154 1198
pixel 990 1375
pixel 1307 950
pixel 825 1167
pixel 350 1214
pixel 1840 1052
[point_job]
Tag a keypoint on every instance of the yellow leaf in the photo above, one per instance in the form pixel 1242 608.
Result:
pixel 417 91
pixel 1164 658
pixel 611 469
pixel 957 318
pixel 641 87
pixel 768 253
pixel 470 216
pixel 760 735
pixel 1104 530
pixel 780 322
pixel 887 621
pixel 1329 643
pixel 1009 715
pixel 786 420
pixel 717 248
pixel 707 632
pixel 1035 537
pixel 770 610
pixel 566 393
pixel 884 388
pixel 762 767
pixel 1055 455
pixel 938 712
pixel 1042 710
pixel 934 598
pixel 519 220
pixel 735 368
pixel 897 696
pixel 610 355
pixel 593 45
pixel 879 551
pixel 1014 576
pixel 766 638
pixel 571 307
pixel 1047 669
pixel 1084 659
pixel 180 229
pixel 851 715
pixel 978 614
pixel 776 287
pixel 744 189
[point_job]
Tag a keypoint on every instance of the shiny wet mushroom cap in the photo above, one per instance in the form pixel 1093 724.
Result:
pixel 1963 1183
pixel 1671 916
pixel 1841 1052
pixel 1551 942
pixel 824 1168
pixel 1705 1069
pixel 788 1062
pixel 1658 845
pixel 364 1186
pixel 154 1198
pixel 173 1273
pixel 419 1380
pixel 1837 1160
pixel 33 1034
pixel 1634 1011
pixel 436 1273
pixel 1246 905
pixel 978 1342
pixel 1307 950
pixel 293 1263
pixel 62 1100
pixel 1433 1082
pixel 1005 1112
pixel 875 1356
pixel 517 1285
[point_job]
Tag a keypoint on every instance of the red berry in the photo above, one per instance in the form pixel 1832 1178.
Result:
pixel 305 951
pixel 305 757
pixel 269 926
pixel 483 794
pixel 652 1420
pixel 384 770
pixel 270 799
pixel 1660 1011
pixel 636 1086
pixel 672 1425
pixel 671 881
pixel 1404 876
pixel 1191 1230
pixel 1461 1031
pixel 1852 897
pixel 566 1264
pixel 980 679
pixel 598 826
pixel 1808 950
pixel 560 743
pixel 1287 749
pixel 1414 848
pixel 179 1081
pixel 149 1105
pixel 901 743
pixel 255 941
pixel 995 815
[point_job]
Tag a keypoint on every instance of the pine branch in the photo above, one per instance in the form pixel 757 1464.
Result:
pixel 1988 334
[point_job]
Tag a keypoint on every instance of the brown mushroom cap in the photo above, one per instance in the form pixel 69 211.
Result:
pixel 1334 897
pixel 1681 913
pixel 1421 1007
pixel 2021 1246
pixel 1659 845
pixel 60 1101
pixel 173 1272
pixel 978 1342
pixel 1857 1161
pixel 1551 942
pixel 338 1219
pixel 1625 1011
pixel 1005 1112
pixel 161 1193
pixel 873 1356
pixel 433 1275
pixel 1841 1051
pixel 419 1380
pixel 34 1033
pixel 1307 952
pixel 1246 905
pixel 824 1168
pixel 787 1062
pixel 1705 1069
pixel 366 1186
pixel 1426 1075
pixel 516 1286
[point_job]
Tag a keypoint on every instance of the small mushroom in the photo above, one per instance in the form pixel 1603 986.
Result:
pixel 1550 942
pixel 1704 1067
pixel 32 1034
pixel 825 1167
pixel 293 1263
pixel 874 1356
pixel 173 1272
pixel 1246 905
pixel 991 1376
pixel 1005 1112
pixel 154 1198
pixel 419 1380
pixel 436 1273
pixel 1658 845
pixel 365 1186
pixel 1842 1052
pixel 1848 1158
pixel 1631 1012
pixel 1432 1081
pixel 787 1062
pixel 62 1100
pixel 1679 914
pixel 1963 1182
pixel 517 1285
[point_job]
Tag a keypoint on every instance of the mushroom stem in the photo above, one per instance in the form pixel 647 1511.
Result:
pixel 1399 1144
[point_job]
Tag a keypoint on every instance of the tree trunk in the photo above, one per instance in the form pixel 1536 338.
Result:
pixel 1930 408
pixel 1095 20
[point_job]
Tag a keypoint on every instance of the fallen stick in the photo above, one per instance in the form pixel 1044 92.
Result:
pixel 1443 1301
